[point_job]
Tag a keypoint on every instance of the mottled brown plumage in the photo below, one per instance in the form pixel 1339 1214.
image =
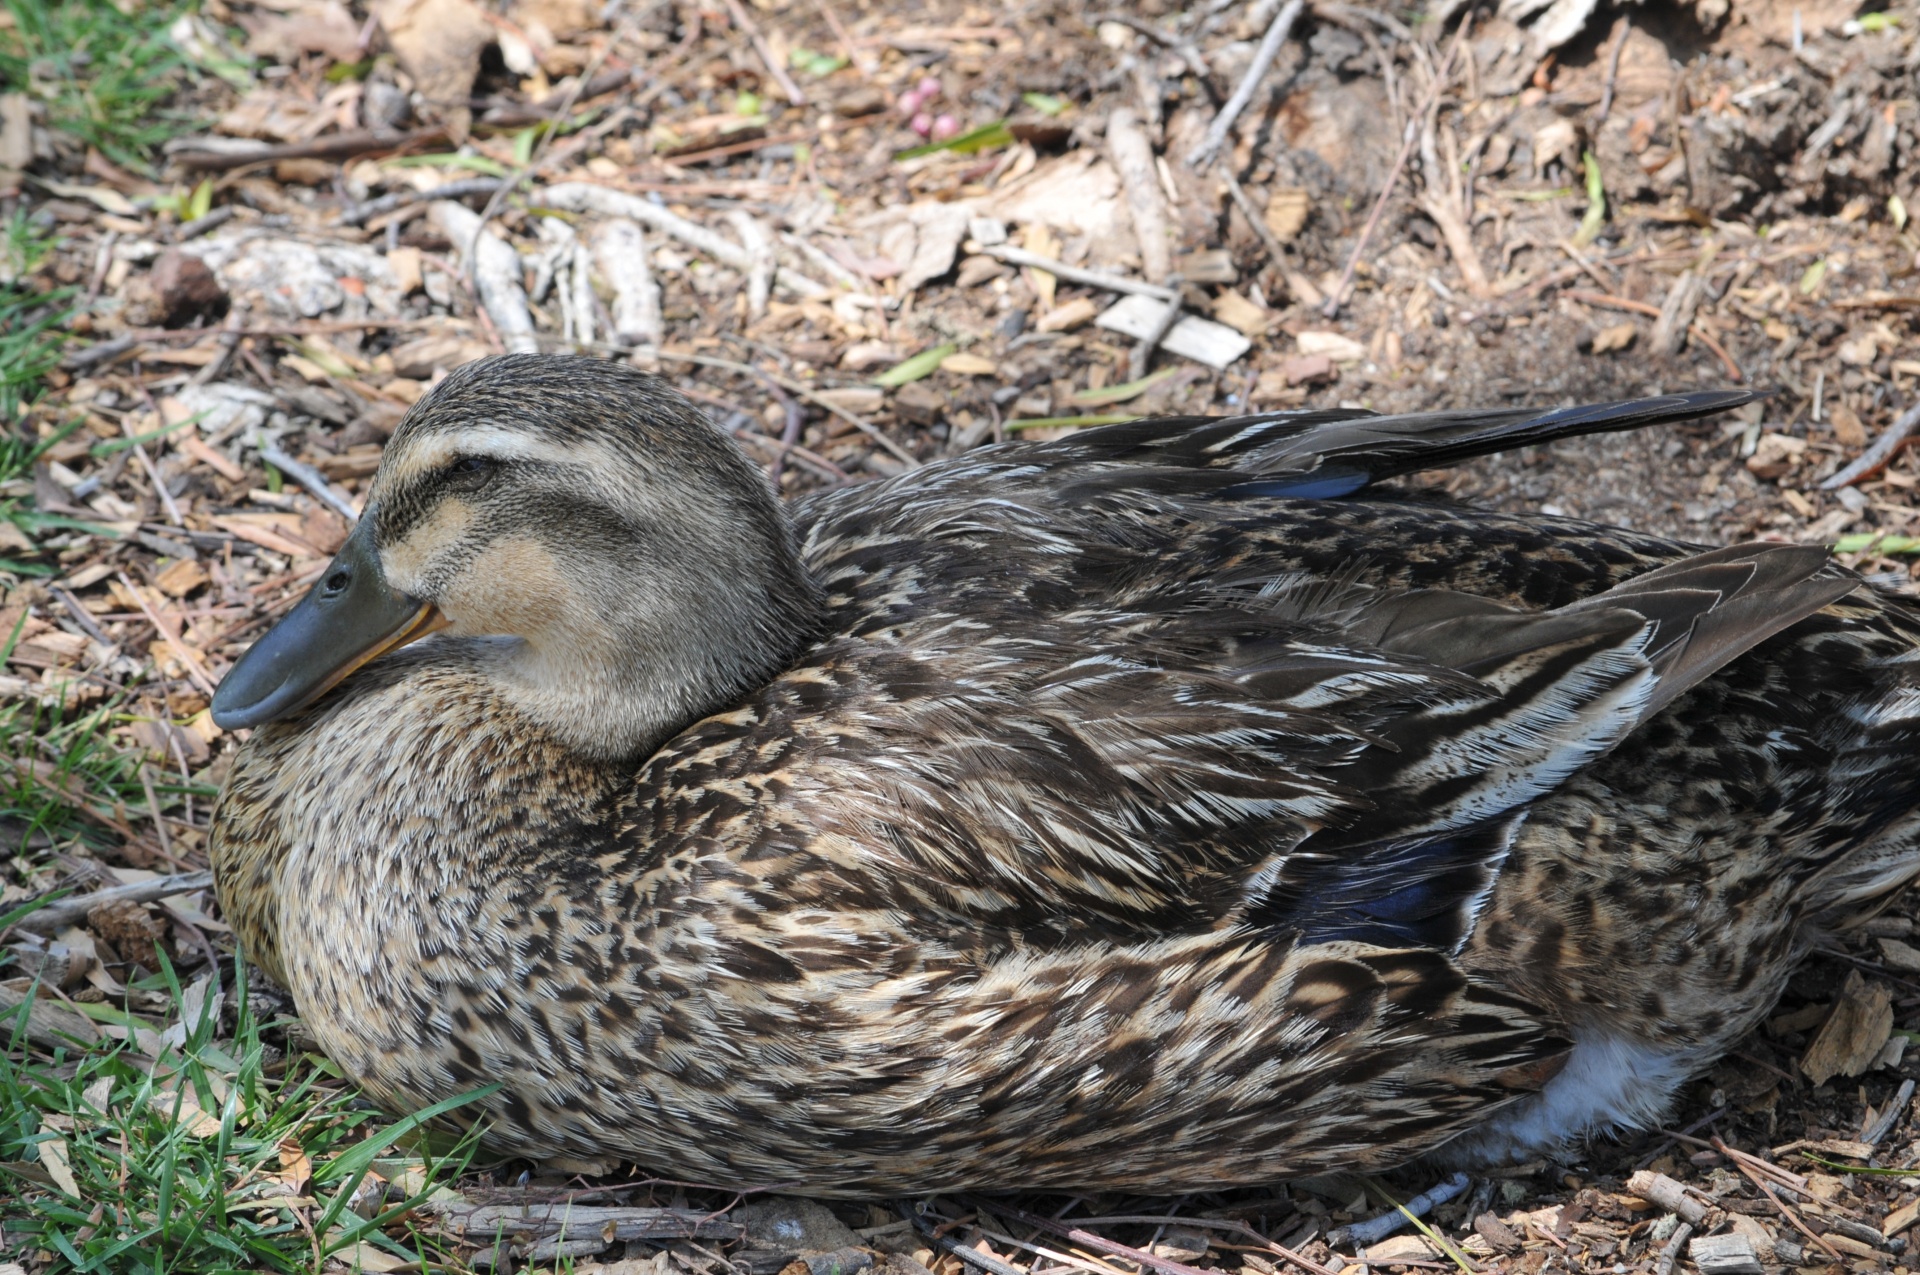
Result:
pixel 1162 808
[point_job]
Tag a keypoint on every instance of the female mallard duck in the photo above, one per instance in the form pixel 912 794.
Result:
pixel 1160 808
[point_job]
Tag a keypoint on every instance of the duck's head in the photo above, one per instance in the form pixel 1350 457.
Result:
pixel 615 566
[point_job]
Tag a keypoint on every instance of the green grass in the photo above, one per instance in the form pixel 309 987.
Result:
pixel 191 1152
pixel 32 324
pixel 102 73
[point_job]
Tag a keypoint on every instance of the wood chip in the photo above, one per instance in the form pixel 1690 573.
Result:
pixel 1242 315
pixel 1668 1194
pixel 1286 213
pixel 182 578
pixel 1339 348
pixel 210 458
pixel 1065 318
pixel 1202 340
pixel 1850 1039
pixel 1725 1255
pixel 968 365
pixel 1900 1219
pixel 1617 337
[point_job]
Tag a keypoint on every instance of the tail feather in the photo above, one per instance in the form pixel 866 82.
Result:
pixel 1326 454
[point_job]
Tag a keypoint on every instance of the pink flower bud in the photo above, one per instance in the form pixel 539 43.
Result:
pixel 910 103
pixel 945 126
pixel 923 124
pixel 928 89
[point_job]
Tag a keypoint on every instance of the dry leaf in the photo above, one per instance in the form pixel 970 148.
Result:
pixel 562 19
pixel 365 1257
pixel 295 1168
pixel 1076 194
pixel 1617 337
pixel 58 1164
pixel 438 43
pixel 1287 211
pixel 407 270
pixel 188 1114
pixel 315 28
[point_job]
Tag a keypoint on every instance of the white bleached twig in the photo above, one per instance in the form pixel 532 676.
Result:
pixel 587 197
pixel 620 250
pixel 495 272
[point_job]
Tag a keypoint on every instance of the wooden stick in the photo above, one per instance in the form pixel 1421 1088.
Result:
pixel 744 20
pixel 1607 301
pixel 495 270
pixel 49 1026
pixel 310 478
pixel 1706 338
pixel 619 248
pixel 1671 1253
pixel 1113 1248
pixel 1613 73
pixel 731 148
pixel 587 197
pixel 1074 274
pixel 1143 349
pixel 1740 1159
pixel 1132 156
pixel 195 669
pixel 1875 458
pixel 1204 154
pixel 73 908
pixel 338 146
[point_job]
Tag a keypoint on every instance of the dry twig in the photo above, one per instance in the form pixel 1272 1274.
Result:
pixel 1337 297
pixel 1209 148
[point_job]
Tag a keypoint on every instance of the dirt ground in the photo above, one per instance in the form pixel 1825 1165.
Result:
pixel 1449 206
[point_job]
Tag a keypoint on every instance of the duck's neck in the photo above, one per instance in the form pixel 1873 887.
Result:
pixel 638 659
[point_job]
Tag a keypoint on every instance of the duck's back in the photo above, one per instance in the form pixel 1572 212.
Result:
pixel 1649 902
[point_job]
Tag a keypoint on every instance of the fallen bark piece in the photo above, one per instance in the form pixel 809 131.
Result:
pixel 603 1222
pixel 1132 156
pixel 620 251
pixel 1725 1255
pixel 1658 1188
pixel 1497 1233
pixel 48 1026
pixel 496 273
pixel 1676 315
pixel 1201 340
pixel 1851 1038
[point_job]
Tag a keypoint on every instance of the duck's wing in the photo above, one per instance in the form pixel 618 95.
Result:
pixel 1346 763
pixel 1446 801
pixel 1326 454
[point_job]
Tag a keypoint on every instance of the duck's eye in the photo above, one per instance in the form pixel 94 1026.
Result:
pixel 470 473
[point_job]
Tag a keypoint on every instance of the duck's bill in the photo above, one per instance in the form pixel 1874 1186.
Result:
pixel 352 615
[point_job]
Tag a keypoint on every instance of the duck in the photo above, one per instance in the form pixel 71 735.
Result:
pixel 1174 805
